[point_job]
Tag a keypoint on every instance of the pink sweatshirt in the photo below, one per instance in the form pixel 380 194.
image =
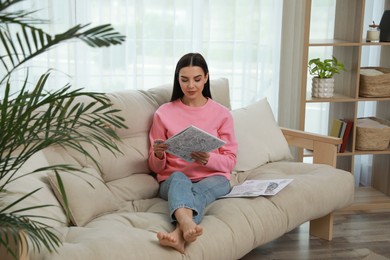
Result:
pixel 213 118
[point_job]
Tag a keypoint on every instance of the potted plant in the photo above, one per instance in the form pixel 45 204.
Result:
pixel 32 119
pixel 323 72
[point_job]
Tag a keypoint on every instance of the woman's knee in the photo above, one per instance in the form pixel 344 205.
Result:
pixel 176 178
pixel 179 176
pixel 175 175
pixel 214 186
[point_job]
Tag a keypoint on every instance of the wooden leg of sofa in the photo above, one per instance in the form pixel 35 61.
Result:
pixel 322 227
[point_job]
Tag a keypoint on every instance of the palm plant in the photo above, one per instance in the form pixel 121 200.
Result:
pixel 31 121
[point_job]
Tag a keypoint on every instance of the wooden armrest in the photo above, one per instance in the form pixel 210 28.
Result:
pixel 324 147
pixel 324 151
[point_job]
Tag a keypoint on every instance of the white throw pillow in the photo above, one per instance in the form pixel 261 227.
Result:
pixel 87 194
pixel 259 137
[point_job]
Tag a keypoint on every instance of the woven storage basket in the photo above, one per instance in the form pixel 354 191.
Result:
pixel 372 138
pixel 375 86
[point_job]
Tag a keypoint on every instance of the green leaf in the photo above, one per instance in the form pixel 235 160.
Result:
pixel 101 36
pixel 325 68
pixel 35 41
pixel 63 195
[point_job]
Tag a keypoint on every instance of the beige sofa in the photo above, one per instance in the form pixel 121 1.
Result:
pixel 119 216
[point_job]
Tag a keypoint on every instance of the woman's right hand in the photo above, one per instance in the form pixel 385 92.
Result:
pixel 159 148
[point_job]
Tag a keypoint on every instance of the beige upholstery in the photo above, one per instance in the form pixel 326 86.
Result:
pixel 81 189
pixel 260 138
pixel 232 227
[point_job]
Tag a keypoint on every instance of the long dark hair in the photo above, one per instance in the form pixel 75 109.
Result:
pixel 188 60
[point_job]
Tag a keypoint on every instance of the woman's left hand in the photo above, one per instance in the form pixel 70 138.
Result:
pixel 201 157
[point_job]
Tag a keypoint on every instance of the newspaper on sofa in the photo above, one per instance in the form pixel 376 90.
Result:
pixel 255 188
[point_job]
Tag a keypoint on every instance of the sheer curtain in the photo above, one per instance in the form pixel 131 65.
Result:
pixel 239 39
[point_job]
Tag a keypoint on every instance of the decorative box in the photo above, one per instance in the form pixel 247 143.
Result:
pixel 372 133
pixel 374 82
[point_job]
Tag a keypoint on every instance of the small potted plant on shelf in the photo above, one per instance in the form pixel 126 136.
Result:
pixel 323 72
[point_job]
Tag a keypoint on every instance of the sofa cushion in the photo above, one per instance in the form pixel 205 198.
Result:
pixel 316 189
pixel 259 138
pixel 87 195
pixel 220 91
pixel 137 108
pixel 52 214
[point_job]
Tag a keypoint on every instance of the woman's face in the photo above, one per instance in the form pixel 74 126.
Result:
pixel 192 80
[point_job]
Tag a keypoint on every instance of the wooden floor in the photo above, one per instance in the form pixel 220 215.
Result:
pixel 356 235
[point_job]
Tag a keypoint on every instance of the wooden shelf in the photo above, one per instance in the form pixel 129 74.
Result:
pixel 367 198
pixel 374 99
pixel 336 98
pixel 348 46
pixel 346 153
pixel 364 43
pixel 331 42
pixel 308 153
pixel 359 152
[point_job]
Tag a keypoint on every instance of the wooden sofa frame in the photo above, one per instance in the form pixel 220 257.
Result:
pixel 324 149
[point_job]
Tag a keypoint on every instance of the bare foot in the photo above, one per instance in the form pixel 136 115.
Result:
pixel 191 231
pixel 173 239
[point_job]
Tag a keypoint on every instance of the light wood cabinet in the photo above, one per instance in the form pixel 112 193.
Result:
pixel 344 37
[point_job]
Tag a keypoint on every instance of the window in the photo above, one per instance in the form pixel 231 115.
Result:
pixel 239 39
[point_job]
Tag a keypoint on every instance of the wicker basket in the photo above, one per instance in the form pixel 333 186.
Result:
pixel 372 138
pixel 375 86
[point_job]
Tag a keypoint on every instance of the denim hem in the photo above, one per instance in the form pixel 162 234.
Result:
pixel 173 210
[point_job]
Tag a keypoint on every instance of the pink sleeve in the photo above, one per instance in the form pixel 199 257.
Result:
pixel 157 131
pixel 225 160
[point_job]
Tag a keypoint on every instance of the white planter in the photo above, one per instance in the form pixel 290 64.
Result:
pixel 322 88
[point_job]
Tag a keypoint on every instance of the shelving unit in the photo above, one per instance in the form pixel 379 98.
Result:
pixel 347 43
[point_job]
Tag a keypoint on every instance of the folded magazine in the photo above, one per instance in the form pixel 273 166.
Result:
pixel 255 188
pixel 192 139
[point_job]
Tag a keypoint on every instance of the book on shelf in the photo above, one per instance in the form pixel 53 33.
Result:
pixel 336 128
pixel 256 188
pixel 341 128
pixel 348 127
pixel 192 139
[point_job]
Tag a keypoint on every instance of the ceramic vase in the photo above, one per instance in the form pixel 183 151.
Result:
pixel 322 88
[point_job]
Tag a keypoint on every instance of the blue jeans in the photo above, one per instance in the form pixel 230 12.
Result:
pixel 181 192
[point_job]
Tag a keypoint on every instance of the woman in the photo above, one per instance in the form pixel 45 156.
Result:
pixel 190 187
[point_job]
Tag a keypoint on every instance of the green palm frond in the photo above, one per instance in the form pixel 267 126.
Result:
pixel 4 4
pixel 101 36
pixel 32 121
pixel 63 195
pixel 29 42
pixel 24 18
pixel 14 226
